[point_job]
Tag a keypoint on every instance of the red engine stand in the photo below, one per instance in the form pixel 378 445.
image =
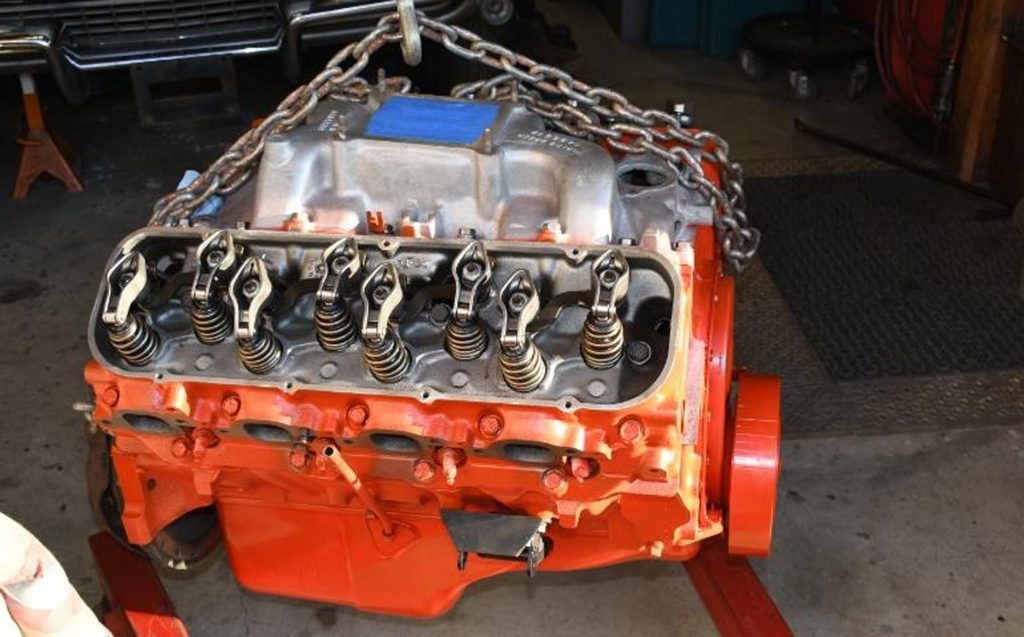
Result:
pixel 136 603
pixel 733 595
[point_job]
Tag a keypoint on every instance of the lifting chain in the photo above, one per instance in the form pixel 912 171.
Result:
pixel 564 102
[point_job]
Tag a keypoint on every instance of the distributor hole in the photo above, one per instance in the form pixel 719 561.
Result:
pixel 643 176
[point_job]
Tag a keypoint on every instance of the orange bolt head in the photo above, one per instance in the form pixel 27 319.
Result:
pixel 423 470
pixel 110 396
pixel 582 468
pixel 179 448
pixel 231 405
pixel 490 426
pixel 298 458
pixel 357 415
pixel 631 430
pixel 202 440
pixel 553 479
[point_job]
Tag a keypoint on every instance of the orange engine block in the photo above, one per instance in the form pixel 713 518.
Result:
pixel 232 405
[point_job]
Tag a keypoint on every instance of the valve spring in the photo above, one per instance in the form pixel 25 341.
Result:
pixel 388 359
pixel 523 368
pixel 602 342
pixel 135 340
pixel 211 321
pixel 335 329
pixel 465 340
pixel 260 354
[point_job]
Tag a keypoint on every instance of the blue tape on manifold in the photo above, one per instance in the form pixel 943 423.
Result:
pixel 431 120
pixel 210 207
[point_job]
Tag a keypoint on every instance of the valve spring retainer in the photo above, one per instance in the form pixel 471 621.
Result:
pixel 335 327
pixel 261 353
pixel 523 368
pixel 465 340
pixel 387 359
pixel 135 340
pixel 602 343
pixel 211 321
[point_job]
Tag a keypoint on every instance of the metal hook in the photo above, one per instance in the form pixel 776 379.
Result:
pixel 412 46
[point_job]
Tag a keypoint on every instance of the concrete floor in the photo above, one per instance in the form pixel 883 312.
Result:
pixel 892 533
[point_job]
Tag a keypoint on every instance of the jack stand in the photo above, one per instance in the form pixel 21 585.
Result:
pixel 136 603
pixel 40 153
pixel 733 595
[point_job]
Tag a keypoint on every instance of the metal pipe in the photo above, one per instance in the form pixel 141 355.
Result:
pixel 364 495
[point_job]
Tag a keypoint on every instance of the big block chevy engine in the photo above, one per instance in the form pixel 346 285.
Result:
pixel 432 340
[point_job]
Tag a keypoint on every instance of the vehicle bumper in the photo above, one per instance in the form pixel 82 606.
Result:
pixel 37 49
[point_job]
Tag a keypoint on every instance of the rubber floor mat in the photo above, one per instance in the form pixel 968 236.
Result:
pixel 891 274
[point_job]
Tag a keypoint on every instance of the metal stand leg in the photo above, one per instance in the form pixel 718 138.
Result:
pixel 40 153
pixel 136 602
pixel 733 595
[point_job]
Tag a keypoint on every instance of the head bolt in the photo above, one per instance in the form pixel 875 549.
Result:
pixel 423 470
pixel 553 479
pixel 631 430
pixel 299 457
pixel 179 448
pixel 110 396
pixel 490 426
pixel 357 415
pixel 230 405
pixel 202 440
pixel 582 468
pixel 450 459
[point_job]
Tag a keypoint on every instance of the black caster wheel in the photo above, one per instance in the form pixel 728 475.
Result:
pixel 752 65
pixel 860 77
pixel 801 87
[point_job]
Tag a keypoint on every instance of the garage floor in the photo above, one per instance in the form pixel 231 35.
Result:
pixel 901 499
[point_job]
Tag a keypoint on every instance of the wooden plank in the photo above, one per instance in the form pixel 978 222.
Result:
pixel 978 87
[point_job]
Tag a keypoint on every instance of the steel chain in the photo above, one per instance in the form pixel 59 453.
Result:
pixel 564 102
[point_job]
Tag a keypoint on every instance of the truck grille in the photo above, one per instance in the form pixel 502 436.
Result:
pixel 102 29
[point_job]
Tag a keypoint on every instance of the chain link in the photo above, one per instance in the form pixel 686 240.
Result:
pixel 564 102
